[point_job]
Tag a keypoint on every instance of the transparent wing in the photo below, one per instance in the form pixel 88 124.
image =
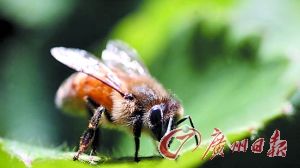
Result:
pixel 85 62
pixel 119 55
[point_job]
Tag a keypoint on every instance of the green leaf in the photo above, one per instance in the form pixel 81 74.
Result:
pixel 8 160
pixel 226 77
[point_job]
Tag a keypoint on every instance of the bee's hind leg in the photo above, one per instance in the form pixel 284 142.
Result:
pixel 89 137
pixel 91 107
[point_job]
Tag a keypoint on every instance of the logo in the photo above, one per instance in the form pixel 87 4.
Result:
pixel 177 141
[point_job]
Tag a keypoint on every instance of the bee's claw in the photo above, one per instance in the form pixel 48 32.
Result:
pixel 93 152
pixel 76 157
pixel 136 159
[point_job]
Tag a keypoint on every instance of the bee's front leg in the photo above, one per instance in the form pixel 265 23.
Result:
pixel 137 129
pixel 88 136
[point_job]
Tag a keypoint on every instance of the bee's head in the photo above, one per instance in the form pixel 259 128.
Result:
pixel 162 118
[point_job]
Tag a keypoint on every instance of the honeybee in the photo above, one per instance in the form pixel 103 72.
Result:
pixel 119 90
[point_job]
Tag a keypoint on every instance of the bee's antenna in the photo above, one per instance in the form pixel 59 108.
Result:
pixel 192 124
pixel 169 125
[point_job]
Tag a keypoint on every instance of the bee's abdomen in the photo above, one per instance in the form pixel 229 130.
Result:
pixel 70 95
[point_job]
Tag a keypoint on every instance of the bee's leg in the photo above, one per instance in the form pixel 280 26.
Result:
pixel 89 135
pixel 137 129
pixel 91 107
pixel 95 143
pixel 191 122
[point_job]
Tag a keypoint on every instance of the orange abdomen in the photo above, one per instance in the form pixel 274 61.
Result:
pixel 70 95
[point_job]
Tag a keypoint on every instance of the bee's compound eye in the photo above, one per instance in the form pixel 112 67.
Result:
pixel 155 114
pixel 128 96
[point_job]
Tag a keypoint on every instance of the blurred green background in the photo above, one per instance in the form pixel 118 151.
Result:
pixel 233 64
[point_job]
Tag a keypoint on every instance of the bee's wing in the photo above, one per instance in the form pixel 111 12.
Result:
pixel 85 62
pixel 119 55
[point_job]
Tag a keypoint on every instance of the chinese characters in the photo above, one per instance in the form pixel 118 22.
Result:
pixel 277 147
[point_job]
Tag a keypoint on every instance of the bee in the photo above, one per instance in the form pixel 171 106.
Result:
pixel 118 90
